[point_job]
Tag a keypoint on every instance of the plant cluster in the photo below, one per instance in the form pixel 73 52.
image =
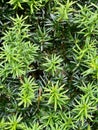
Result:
pixel 48 65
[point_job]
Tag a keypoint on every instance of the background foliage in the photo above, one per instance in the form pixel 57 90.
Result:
pixel 48 65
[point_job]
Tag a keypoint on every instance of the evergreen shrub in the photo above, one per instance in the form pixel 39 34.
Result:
pixel 48 65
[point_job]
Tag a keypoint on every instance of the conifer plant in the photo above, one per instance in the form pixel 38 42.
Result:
pixel 48 65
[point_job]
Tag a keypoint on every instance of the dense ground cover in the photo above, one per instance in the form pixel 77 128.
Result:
pixel 48 65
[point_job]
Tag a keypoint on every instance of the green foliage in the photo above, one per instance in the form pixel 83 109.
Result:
pixel 84 108
pixel 33 4
pixel 87 20
pixel 56 95
pixel 48 65
pixel 42 38
pixel 17 52
pixel 53 64
pixel 13 122
pixel 64 11
pixel 27 90
pixel 34 126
